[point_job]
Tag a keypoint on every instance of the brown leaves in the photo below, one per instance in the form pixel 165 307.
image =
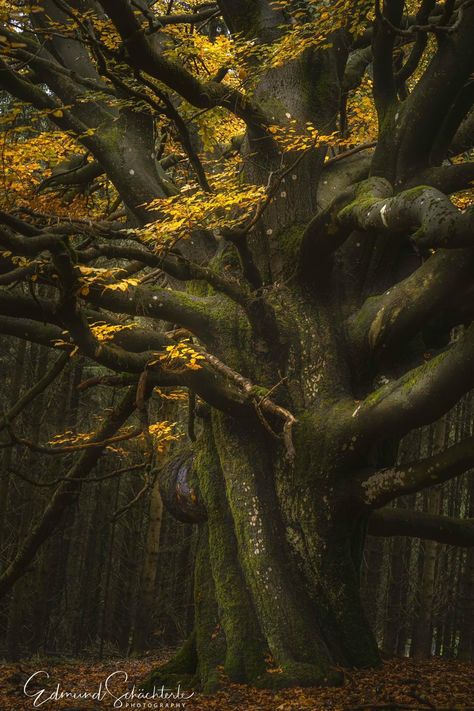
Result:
pixel 399 684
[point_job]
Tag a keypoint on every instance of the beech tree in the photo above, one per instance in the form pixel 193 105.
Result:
pixel 264 205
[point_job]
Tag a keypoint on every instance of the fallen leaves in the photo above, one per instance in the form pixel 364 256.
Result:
pixel 399 684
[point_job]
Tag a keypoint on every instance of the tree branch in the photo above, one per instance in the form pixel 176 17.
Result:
pixel 142 55
pixel 421 395
pixel 191 312
pixel 386 485
pixel 385 322
pixel 418 524
pixel 33 392
pixel 416 53
pixel 423 114
pixel 387 17
pixel 64 496
pixel 424 212
pixel 253 18
pixel 447 178
pixel 67 449
pixel 176 266
pixel 206 382
pixel 464 137
pixel 325 233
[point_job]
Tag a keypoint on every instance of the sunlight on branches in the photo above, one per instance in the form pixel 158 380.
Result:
pixel 193 208
pixel 179 355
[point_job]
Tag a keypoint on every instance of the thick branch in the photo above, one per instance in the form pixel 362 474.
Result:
pixel 448 178
pixel 325 233
pixel 382 47
pixel 190 18
pixel 28 330
pixel 418 524
pixel 176 266
pixel 464 137
pixel 143 55
pixel 191 312
pixel 416 53
pixel 424 212
pixel 390 320
pixel 423 114
pixel 420 396
pixel 386 485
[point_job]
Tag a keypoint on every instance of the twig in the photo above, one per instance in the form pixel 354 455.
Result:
pixel 260 403
pixel 350 152
pixel 38 388
pixel 42 449
pixel 120 512
pixel 119 381
pixel 88 480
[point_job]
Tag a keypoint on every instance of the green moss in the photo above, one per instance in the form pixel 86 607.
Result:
pixel 411 379
pixel 413 193
pixel 260 392
pixel 180 669
pixel 245 647
pixel 360 204
pixel 289 242
pixel 210 639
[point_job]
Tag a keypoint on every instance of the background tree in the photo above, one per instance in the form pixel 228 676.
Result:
pixel 259 213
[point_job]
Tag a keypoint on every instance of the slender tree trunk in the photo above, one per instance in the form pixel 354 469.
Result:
pixel 144 619
pixel 423 635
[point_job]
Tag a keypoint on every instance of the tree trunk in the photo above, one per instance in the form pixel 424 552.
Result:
pixel 143 625
pixel 284 564
pixel 423 633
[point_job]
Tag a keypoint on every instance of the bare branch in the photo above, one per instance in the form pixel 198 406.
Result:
pixel 33 392
pixel 447 178
pixel 424 212
pixel 386 322
pixel 385 485
pixel 64 496
pixel 421 395
pixel 418 524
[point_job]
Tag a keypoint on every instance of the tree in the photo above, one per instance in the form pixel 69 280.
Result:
pixel 281 244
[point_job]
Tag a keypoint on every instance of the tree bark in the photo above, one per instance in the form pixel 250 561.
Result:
pixel 143 626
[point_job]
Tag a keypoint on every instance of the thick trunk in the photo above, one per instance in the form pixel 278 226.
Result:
pixel 276 589
pixel 279 603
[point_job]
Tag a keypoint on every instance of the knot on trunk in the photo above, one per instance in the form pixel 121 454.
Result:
pixel 180 489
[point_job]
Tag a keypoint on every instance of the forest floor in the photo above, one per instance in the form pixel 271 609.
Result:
pixel 401 684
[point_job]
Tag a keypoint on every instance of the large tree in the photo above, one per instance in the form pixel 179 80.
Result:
pixel 299 276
